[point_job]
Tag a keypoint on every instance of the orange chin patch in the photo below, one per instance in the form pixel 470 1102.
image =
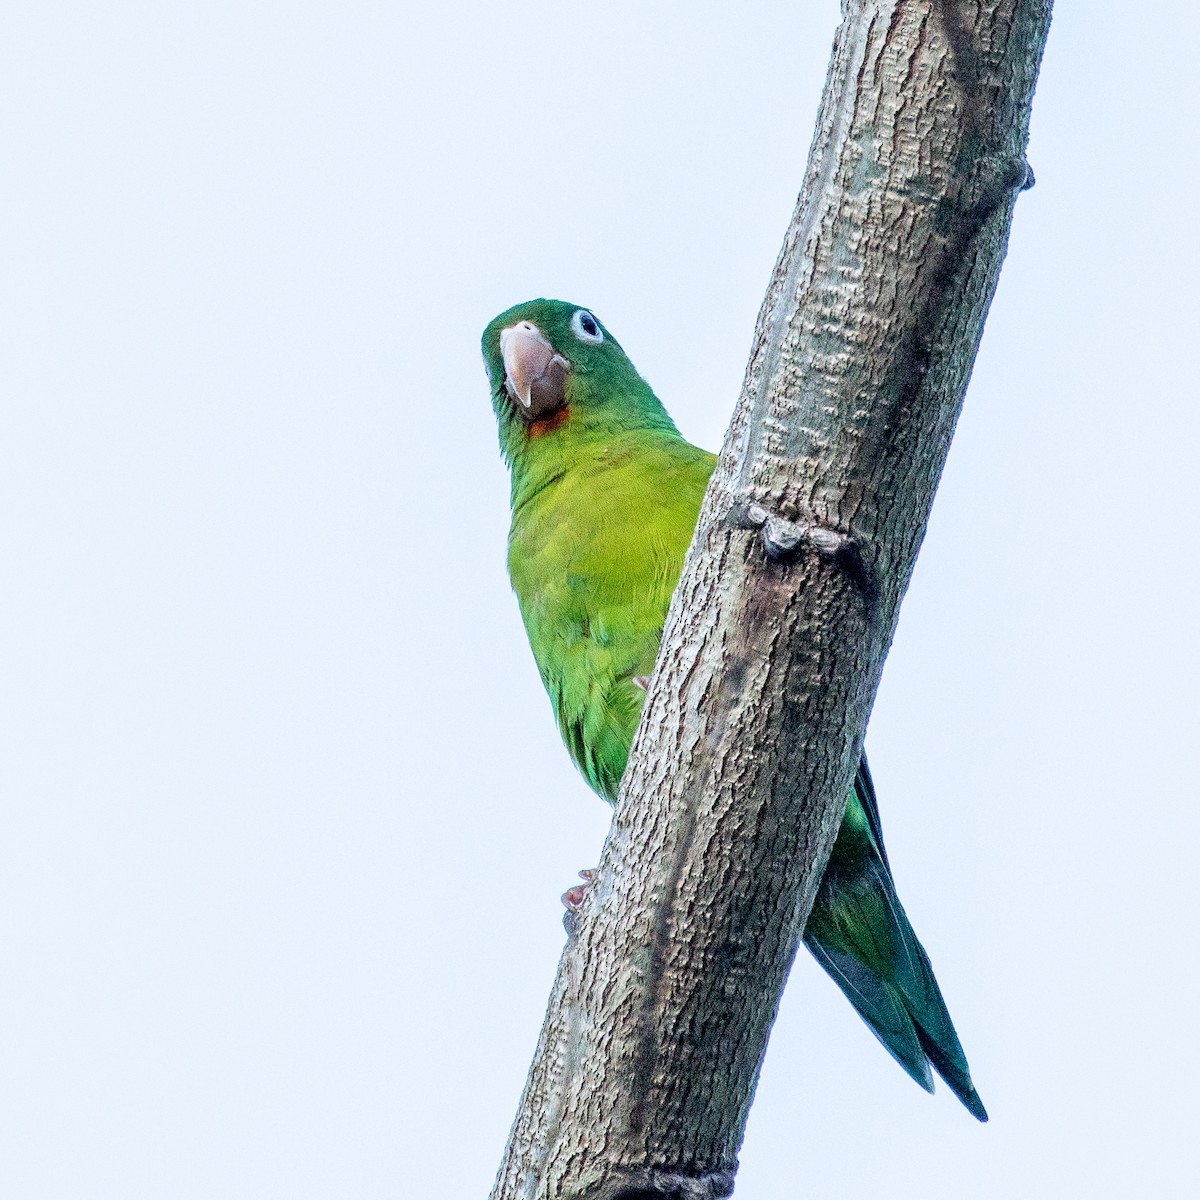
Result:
pixel 550 423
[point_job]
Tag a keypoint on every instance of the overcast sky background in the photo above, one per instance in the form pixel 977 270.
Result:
pixel 285 814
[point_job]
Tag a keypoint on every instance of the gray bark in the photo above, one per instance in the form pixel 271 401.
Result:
pixel 773 648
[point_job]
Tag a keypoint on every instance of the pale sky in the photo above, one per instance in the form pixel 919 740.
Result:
pixel 286 817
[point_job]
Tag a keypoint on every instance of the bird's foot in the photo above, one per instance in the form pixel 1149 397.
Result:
pixel 573 899
pixel 573 896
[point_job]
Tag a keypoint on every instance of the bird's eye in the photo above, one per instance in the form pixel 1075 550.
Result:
pixel 586 328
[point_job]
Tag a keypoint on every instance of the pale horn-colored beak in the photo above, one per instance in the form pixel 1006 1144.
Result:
pixel 533 374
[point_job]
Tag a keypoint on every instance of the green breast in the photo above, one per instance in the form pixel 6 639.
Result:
pixel 594 553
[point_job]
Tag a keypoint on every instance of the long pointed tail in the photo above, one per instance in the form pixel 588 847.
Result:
pixel 859 933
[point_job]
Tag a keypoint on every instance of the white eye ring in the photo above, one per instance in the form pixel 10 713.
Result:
pixel 586 328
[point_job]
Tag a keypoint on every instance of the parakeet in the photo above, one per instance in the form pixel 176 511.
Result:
pixel 605 493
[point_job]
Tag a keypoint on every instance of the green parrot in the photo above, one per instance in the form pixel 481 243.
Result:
pixel 605 495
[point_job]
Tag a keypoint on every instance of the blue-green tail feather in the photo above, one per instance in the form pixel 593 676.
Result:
pixel 859 933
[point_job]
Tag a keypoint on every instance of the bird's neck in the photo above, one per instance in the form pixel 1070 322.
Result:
pixel 575 439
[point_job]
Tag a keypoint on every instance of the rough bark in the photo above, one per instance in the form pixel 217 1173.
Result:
pixel 668 988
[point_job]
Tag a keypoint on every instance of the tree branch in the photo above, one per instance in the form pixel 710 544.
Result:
pixel 775 641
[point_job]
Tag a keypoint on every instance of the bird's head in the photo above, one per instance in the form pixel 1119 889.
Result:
pixel 554 367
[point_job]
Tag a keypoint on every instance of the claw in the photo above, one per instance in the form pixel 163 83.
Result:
pixel 573 897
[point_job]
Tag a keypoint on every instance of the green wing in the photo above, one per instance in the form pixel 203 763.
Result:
pixel 594 558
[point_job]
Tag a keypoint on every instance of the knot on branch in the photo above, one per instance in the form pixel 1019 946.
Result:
pixel 1001 177
pixel 652 1183
pixel 997 180
pixel 784 541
